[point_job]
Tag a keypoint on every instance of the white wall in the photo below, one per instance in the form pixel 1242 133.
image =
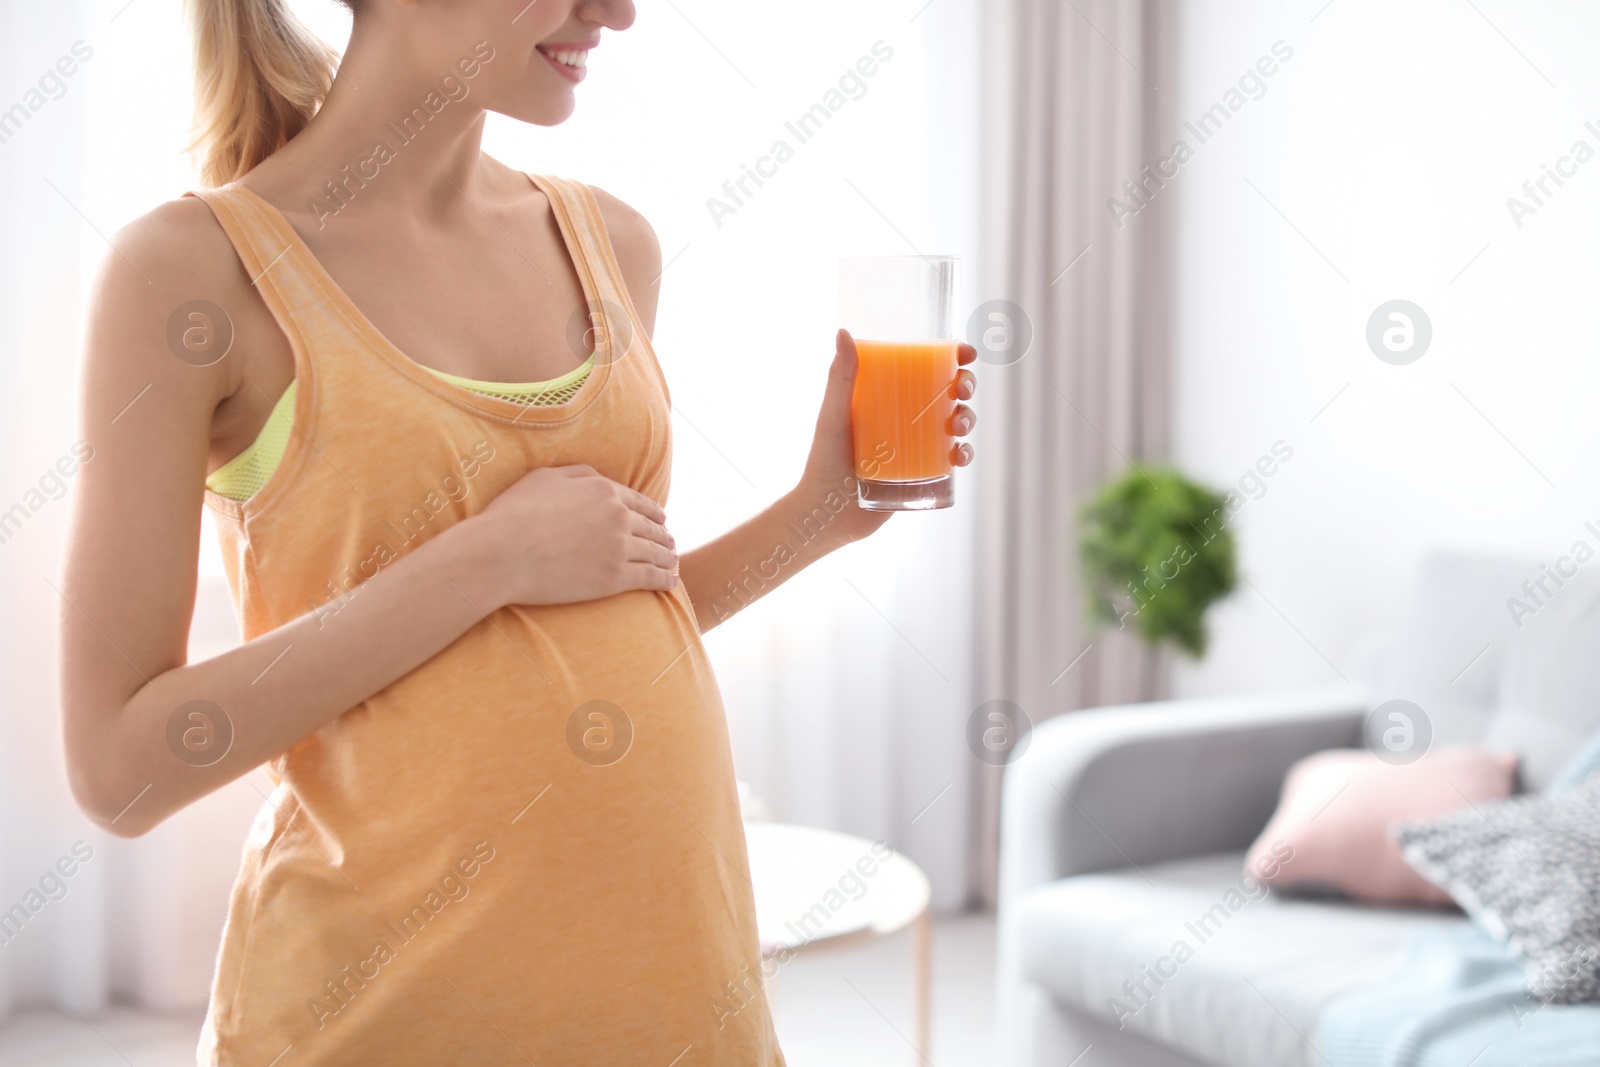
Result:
pixel 1389 143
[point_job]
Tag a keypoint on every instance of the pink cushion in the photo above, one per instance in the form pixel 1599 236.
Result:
pixel 1331 828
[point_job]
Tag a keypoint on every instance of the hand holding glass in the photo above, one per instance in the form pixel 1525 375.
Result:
pixel 899 312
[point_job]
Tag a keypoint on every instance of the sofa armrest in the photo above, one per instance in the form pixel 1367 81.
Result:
pixel 1135 785
pixel 1142 783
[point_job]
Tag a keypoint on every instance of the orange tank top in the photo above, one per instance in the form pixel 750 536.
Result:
pixel 529 848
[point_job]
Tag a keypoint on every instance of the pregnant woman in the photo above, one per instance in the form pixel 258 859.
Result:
pixel 416 388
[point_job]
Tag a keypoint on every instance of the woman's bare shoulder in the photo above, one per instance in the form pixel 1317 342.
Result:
pixel 176 240
pixel 631 233
pixel 159 266
pixel 638 252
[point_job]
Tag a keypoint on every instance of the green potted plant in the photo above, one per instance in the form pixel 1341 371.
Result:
pixel 1156 552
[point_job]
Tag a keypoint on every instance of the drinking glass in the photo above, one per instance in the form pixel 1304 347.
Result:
pixel 900 312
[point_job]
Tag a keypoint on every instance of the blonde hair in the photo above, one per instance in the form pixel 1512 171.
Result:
pixel 259 77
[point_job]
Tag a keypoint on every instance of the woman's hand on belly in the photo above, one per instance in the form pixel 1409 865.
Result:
pixel 560 535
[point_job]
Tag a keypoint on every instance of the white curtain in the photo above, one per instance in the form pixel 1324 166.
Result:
pixel 847 691
pixel 1076 105
pixel 98 146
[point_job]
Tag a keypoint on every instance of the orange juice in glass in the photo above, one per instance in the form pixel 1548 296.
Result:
pixel 899 312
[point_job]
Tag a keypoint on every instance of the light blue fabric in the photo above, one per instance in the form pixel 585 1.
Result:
pixel 1577 770
pixel 1459 998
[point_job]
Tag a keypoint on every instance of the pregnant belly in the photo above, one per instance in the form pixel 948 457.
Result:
pixel 603 704
pixel 545 812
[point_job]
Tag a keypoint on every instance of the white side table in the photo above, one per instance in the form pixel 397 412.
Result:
pixel 817 887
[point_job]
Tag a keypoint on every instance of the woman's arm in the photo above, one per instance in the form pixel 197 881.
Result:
pixel 817 516
pixel 820 513
pixel 131 564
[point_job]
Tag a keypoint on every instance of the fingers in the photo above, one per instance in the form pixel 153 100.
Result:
pixel 649 576
pixel 644 550
pixel 653 531
pixel 642 504
pixel 963 419
pixel 844 346
pixel 843 369
pixel 635 500
pixel 842 374
pixel 835 414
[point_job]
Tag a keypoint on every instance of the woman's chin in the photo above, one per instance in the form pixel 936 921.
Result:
pixel 549 110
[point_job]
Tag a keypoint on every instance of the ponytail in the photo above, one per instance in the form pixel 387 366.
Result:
pixel 259 77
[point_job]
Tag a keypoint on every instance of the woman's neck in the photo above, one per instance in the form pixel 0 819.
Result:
pixel 389 138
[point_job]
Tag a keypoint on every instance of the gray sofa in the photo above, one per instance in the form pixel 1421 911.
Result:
pixel 1123 830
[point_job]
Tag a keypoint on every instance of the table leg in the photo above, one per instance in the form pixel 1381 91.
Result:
pixel 922 979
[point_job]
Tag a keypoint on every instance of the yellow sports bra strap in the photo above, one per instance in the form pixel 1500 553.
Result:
pixel 243 476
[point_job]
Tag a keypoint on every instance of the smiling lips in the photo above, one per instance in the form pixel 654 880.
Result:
pixel 569 59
